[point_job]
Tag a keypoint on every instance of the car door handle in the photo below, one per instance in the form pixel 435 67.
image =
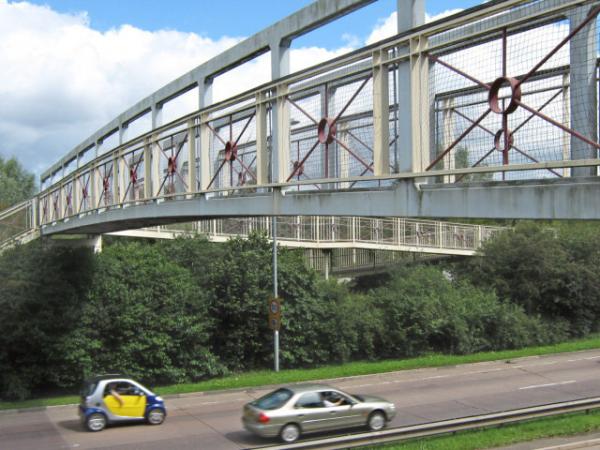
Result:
pixel 331 412
pixel 300 415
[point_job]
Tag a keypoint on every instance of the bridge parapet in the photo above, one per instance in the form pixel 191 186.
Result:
pixel 502 92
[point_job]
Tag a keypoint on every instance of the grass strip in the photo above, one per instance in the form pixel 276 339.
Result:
pixel 565 425
pixel 268 377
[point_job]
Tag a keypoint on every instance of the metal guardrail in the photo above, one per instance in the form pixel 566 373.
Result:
pixel 442 427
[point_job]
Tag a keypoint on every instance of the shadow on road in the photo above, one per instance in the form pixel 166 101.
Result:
pixel 72 425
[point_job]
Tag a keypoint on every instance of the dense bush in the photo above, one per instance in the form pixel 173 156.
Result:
pixel 144 316
pixel 189 309
pixel 423 312
pixel 41 296
pixel 548 272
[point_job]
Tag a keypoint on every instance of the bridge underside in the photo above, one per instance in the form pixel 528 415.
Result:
pixel 575 198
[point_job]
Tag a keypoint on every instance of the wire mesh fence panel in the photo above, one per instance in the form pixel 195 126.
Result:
pixel 232 151
pixel 15 221
pixel 132 174
pixel 508 97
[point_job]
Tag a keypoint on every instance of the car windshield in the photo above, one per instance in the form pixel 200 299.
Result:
pixel 358 397
pixel 274 400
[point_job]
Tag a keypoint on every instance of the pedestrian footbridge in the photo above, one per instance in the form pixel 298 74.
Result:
pixel 489 113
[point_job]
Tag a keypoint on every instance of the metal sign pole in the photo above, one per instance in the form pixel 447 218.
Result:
pixel 275 293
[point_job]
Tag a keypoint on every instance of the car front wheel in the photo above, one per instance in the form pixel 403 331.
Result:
pixel 96 422
pixel 376 421
pixel 290 433
pixel 156 416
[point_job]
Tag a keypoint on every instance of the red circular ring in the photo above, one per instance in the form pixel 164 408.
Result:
pixel 326 130
pixel 230 151
pixel 515 96
pixel 500 144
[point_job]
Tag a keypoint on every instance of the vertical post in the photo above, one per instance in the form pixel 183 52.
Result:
pixel 118 173
pixel 123 133
pixel 192 183
pixel 275 288
pixel 448 139
pixel 584 113
pixel 148 168
pixel 411 13
pixel 204 152
pixel 566 120
pixel 262 153
pixel 280 153
pixel 381 114
pixel 205 99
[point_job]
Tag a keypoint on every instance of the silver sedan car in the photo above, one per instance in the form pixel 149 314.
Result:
pixel 291 411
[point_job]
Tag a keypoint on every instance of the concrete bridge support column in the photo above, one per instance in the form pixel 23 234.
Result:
pixel 205 98
pixel 584 110
pixel 192 184
pixel 262 150
pixel 411 13
pixel 381 114
pixel 280 139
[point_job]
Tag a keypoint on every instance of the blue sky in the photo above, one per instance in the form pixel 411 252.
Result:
pixel 230 17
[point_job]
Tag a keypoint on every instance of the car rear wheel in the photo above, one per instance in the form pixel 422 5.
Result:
pixel 156 416
pixel 290 433
pixel 376 421
pixel 96 422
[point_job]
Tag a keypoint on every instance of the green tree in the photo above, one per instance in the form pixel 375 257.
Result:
pixel 16 184
pixel 546 271
pixel 41 297
pixel 145 317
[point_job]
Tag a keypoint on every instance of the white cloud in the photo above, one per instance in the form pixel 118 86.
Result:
pixel 61 80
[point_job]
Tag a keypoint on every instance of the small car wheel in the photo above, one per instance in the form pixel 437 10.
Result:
pixel 156 416
pixel 96 422
pixel 290 433
pixel 376 421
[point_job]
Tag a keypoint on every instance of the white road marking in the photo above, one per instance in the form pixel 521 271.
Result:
pixel 535 386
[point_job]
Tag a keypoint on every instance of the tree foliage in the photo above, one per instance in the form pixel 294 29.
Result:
pixel 546 271
pixel 188 309
pixel 16 184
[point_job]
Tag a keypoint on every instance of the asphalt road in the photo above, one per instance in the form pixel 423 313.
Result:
pixel 212 421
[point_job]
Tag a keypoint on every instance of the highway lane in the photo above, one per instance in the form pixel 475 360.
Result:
pixel 212 421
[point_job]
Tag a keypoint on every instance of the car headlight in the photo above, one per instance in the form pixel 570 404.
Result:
pixel 159 399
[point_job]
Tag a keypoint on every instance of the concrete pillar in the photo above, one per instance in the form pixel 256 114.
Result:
pixel 75 192
pixel 280 153
pixel 204 153
pixel 205 88
pixel 191 178
pixel 147 168
pixel 411 13
pixel 566 120
pixel 381 114
pixel 117 174
pixel 262 151
pixel 123 129
pixel 448 138
pixel 584 111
